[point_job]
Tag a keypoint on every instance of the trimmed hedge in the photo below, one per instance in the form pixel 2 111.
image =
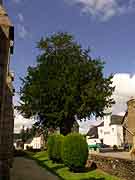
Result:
pixel 75 152
pixel 57 148
pixel 50 144
pixel 54 147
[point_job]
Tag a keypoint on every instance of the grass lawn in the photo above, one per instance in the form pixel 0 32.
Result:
pixel 64 173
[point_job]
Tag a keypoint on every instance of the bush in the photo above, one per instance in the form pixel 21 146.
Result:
pixel 115 147
pixel 50 146
pixel 29 148
pixel 57 148
pixel 75 152
pixel 54 147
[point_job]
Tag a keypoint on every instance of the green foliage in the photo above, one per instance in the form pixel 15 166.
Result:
pixel 55 142
pixel 66 82
pixel 28 133
pixel 75 151
pixel 29 148
pixel 57 148
pixel 115 147
pixel 50 146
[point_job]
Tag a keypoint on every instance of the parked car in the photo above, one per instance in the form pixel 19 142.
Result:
pixel 93 146
pixel 101 145
pixel 98 146
pixel 127 146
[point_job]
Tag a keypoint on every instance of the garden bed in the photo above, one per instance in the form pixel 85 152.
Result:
pixel 63 172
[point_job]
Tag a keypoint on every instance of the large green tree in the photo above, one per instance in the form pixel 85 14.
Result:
pixel 65 84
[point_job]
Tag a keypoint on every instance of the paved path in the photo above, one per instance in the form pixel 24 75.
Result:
pixel 25 169
pixel 121 155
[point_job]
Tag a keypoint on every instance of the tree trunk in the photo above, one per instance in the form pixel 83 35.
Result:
pixel 66 128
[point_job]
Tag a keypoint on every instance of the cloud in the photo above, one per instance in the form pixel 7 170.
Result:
pixel 22 31
pixel 20 17
pixel 17 1
pixel 104 9
pixel 16 99
pixel 84 126
pixel 125 89
pixel 20 121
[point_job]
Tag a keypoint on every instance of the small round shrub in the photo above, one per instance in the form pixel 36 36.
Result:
pixel 75 152
pixel 115 147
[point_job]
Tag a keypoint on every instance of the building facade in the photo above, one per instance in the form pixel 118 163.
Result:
pixel 129 122
pixel 109 132
pixel 6 94
pixel 36 142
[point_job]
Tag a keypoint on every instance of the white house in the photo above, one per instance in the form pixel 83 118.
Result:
pixel 109 132
pixel 92 135
pixel 36 143
pixel 18 144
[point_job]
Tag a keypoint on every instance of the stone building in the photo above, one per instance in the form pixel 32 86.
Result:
pixel 129 121
pixel 6 94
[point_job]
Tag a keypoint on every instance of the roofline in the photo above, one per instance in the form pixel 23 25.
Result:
pixel 126 113
pixel 132 99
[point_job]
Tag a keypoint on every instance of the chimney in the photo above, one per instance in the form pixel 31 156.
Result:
pixel 1 2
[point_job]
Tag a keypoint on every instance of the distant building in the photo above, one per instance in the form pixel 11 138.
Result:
pixel 18 144
pixel 36 142
pixel 92 136
pixel 109 132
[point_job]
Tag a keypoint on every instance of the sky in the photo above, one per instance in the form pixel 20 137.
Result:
pixel 106 26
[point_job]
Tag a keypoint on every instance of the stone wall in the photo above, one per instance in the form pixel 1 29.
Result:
pixel 130 124
pixel 6 107
pixel 115 166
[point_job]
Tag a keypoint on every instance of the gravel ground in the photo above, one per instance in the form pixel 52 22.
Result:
pixel 25 169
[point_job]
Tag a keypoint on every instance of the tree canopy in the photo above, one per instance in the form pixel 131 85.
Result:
pixel 65 84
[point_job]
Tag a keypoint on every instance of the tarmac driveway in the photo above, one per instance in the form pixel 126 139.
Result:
pixel 26 169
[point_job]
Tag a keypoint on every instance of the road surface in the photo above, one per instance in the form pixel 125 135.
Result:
pixel 26 169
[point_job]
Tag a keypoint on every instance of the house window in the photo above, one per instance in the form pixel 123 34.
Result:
pixel 101 131
pixel 107 132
